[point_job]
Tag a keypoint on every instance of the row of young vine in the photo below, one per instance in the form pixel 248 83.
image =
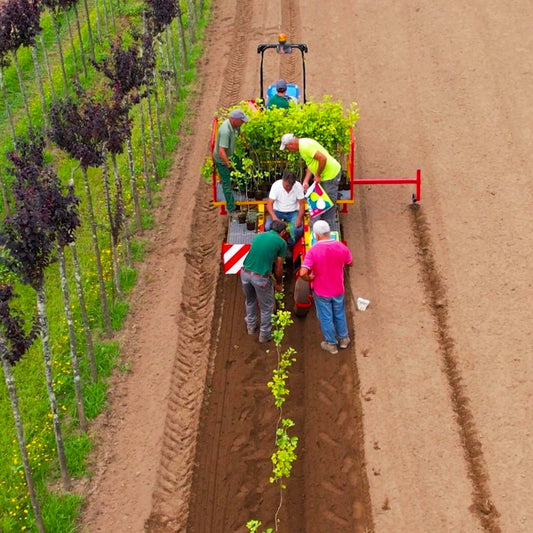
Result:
pixel 108 107
pixel 284 454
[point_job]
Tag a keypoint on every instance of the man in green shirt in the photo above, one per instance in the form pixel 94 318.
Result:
pixel 280 99
pixel 320 164
pixel 267 250
pixel 223 152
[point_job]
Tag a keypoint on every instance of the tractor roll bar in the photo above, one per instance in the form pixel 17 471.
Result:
pixel 282 48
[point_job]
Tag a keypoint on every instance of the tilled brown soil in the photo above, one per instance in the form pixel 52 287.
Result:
pixel 327 488
pixel 424 424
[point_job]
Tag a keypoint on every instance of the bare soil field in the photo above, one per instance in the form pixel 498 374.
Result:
pixel 424 423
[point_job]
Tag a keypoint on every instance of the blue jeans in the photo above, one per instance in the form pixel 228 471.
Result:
pixel 258 290
pixel 331 314
pixel 288 216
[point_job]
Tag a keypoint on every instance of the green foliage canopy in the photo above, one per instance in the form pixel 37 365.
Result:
pixel 326 121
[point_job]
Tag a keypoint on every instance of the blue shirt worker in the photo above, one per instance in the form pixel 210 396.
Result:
pixel 223 152
pixel 267 252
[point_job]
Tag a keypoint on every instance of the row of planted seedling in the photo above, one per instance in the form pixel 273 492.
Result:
pixel 284 454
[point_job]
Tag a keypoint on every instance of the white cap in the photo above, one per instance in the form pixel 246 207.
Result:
pixel 321 227
pixel 286 139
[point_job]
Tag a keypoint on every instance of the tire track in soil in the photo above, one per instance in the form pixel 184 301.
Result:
pixel 482 505
pixel 170 507
pixel 290 11
pixel 210 482
pixel 193 322
pixel 337 497
pixel 233 74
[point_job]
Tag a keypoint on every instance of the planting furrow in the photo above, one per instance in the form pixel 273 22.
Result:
pixel 336 487
pixel 327 489
pixel 477 469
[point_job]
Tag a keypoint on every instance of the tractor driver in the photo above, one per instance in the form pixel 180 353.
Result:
pixel 280 99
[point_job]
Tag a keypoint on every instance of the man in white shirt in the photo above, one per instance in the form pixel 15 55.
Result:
pixel 286 202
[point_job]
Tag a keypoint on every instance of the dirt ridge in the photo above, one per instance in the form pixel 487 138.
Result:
pixel 483 505
pixel 170 499
pixel 233 73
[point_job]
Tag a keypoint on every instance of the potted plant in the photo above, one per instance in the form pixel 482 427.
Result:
pixel 251 221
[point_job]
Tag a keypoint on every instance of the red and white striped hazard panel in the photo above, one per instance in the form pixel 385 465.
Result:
pixel 233 256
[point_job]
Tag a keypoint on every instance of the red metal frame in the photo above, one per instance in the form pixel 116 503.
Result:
pixel 376 181
pixel 393 181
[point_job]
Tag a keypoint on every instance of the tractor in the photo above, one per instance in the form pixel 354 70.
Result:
pixel 240 233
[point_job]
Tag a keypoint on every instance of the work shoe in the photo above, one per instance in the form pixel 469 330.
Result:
pixel 344 343
pixel 251 329
pixel 331 348
pixel 263 339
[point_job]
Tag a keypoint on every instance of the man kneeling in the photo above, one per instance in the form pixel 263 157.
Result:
pixel 286 202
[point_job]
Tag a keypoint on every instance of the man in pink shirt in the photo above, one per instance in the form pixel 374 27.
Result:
pixel 323 267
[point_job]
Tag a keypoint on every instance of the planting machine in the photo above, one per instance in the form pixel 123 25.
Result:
pixel 240 232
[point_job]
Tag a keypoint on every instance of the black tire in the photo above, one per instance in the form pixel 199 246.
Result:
pixel 300 312
pixel 301 296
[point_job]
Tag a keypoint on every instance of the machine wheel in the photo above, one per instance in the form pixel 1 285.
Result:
pixel 301 296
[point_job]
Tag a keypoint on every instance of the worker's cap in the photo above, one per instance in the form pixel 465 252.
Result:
pixel 281 85
pixel 286 139
pixel 240 114
pixel 321 227
pixel 278 226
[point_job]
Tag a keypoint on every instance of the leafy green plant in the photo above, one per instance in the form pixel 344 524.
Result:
pixel 280 321
pixel 207 169
pixel 284 455
pixel 326 121
pixel 253 527
pixel 241 177
pixel 278 385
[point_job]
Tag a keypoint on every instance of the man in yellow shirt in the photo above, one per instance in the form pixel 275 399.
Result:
pixel 320 164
